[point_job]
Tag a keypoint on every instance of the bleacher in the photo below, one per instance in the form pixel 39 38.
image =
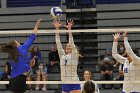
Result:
pixel 31 3
pixel 68 3
pixel 116 1
pixel 22 14
pixel 78 4
pixel 117 15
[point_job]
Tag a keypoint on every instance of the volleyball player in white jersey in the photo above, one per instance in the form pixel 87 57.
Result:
pixel 131 67
pixel 68 59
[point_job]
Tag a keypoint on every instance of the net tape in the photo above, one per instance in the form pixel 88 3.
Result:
pixel 66 31
pixel 72 82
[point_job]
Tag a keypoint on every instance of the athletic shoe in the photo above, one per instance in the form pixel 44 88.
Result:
pixel 37 88
pixel 44 89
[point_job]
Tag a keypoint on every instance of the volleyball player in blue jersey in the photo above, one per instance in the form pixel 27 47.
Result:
pixel 19 61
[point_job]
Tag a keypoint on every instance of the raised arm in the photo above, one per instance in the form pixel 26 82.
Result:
pixel 36 26
pixel 118 57
pixel 32 37
pixel 129 50
pixel 57 25
pixel 71 41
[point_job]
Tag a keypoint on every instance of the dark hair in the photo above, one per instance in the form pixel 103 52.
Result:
pixel 89 87
pixel 41 63
pixel 33 52
pixel 11 49
pixel 122 44
pixel 135 50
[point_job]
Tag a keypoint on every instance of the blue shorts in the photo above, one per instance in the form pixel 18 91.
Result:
pixel 132 92
pixel 70 87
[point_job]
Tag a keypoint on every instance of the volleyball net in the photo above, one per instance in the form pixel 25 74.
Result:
pixel 70 82
pixel 74 31
pixel 92 44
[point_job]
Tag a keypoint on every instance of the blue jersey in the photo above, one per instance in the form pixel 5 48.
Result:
pixel 38 55
pixel 22 65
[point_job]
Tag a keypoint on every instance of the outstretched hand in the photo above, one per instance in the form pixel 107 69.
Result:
pixel 69 24
pixel 116 37
pixel 36 26
pixel 56 24
pixel 125 34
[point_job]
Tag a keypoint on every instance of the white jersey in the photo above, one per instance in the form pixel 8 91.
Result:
pixel 68 62
pixel 131 70
pixel 96 88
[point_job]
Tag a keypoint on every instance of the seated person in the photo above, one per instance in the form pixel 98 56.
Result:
pixel 108 54
pixel 41 75
pixel 106 68
pixel 36 54
pixel 53 59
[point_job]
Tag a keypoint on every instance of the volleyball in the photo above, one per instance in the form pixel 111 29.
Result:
pixel 56 12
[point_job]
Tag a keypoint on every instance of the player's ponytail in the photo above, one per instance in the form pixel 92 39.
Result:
pixel 11 49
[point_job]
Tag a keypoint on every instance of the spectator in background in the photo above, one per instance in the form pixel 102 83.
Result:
pixel 53 59
pixel 41 75
pixel 106 68
pixel 108 54
pixel 35 53
pixel 88 77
